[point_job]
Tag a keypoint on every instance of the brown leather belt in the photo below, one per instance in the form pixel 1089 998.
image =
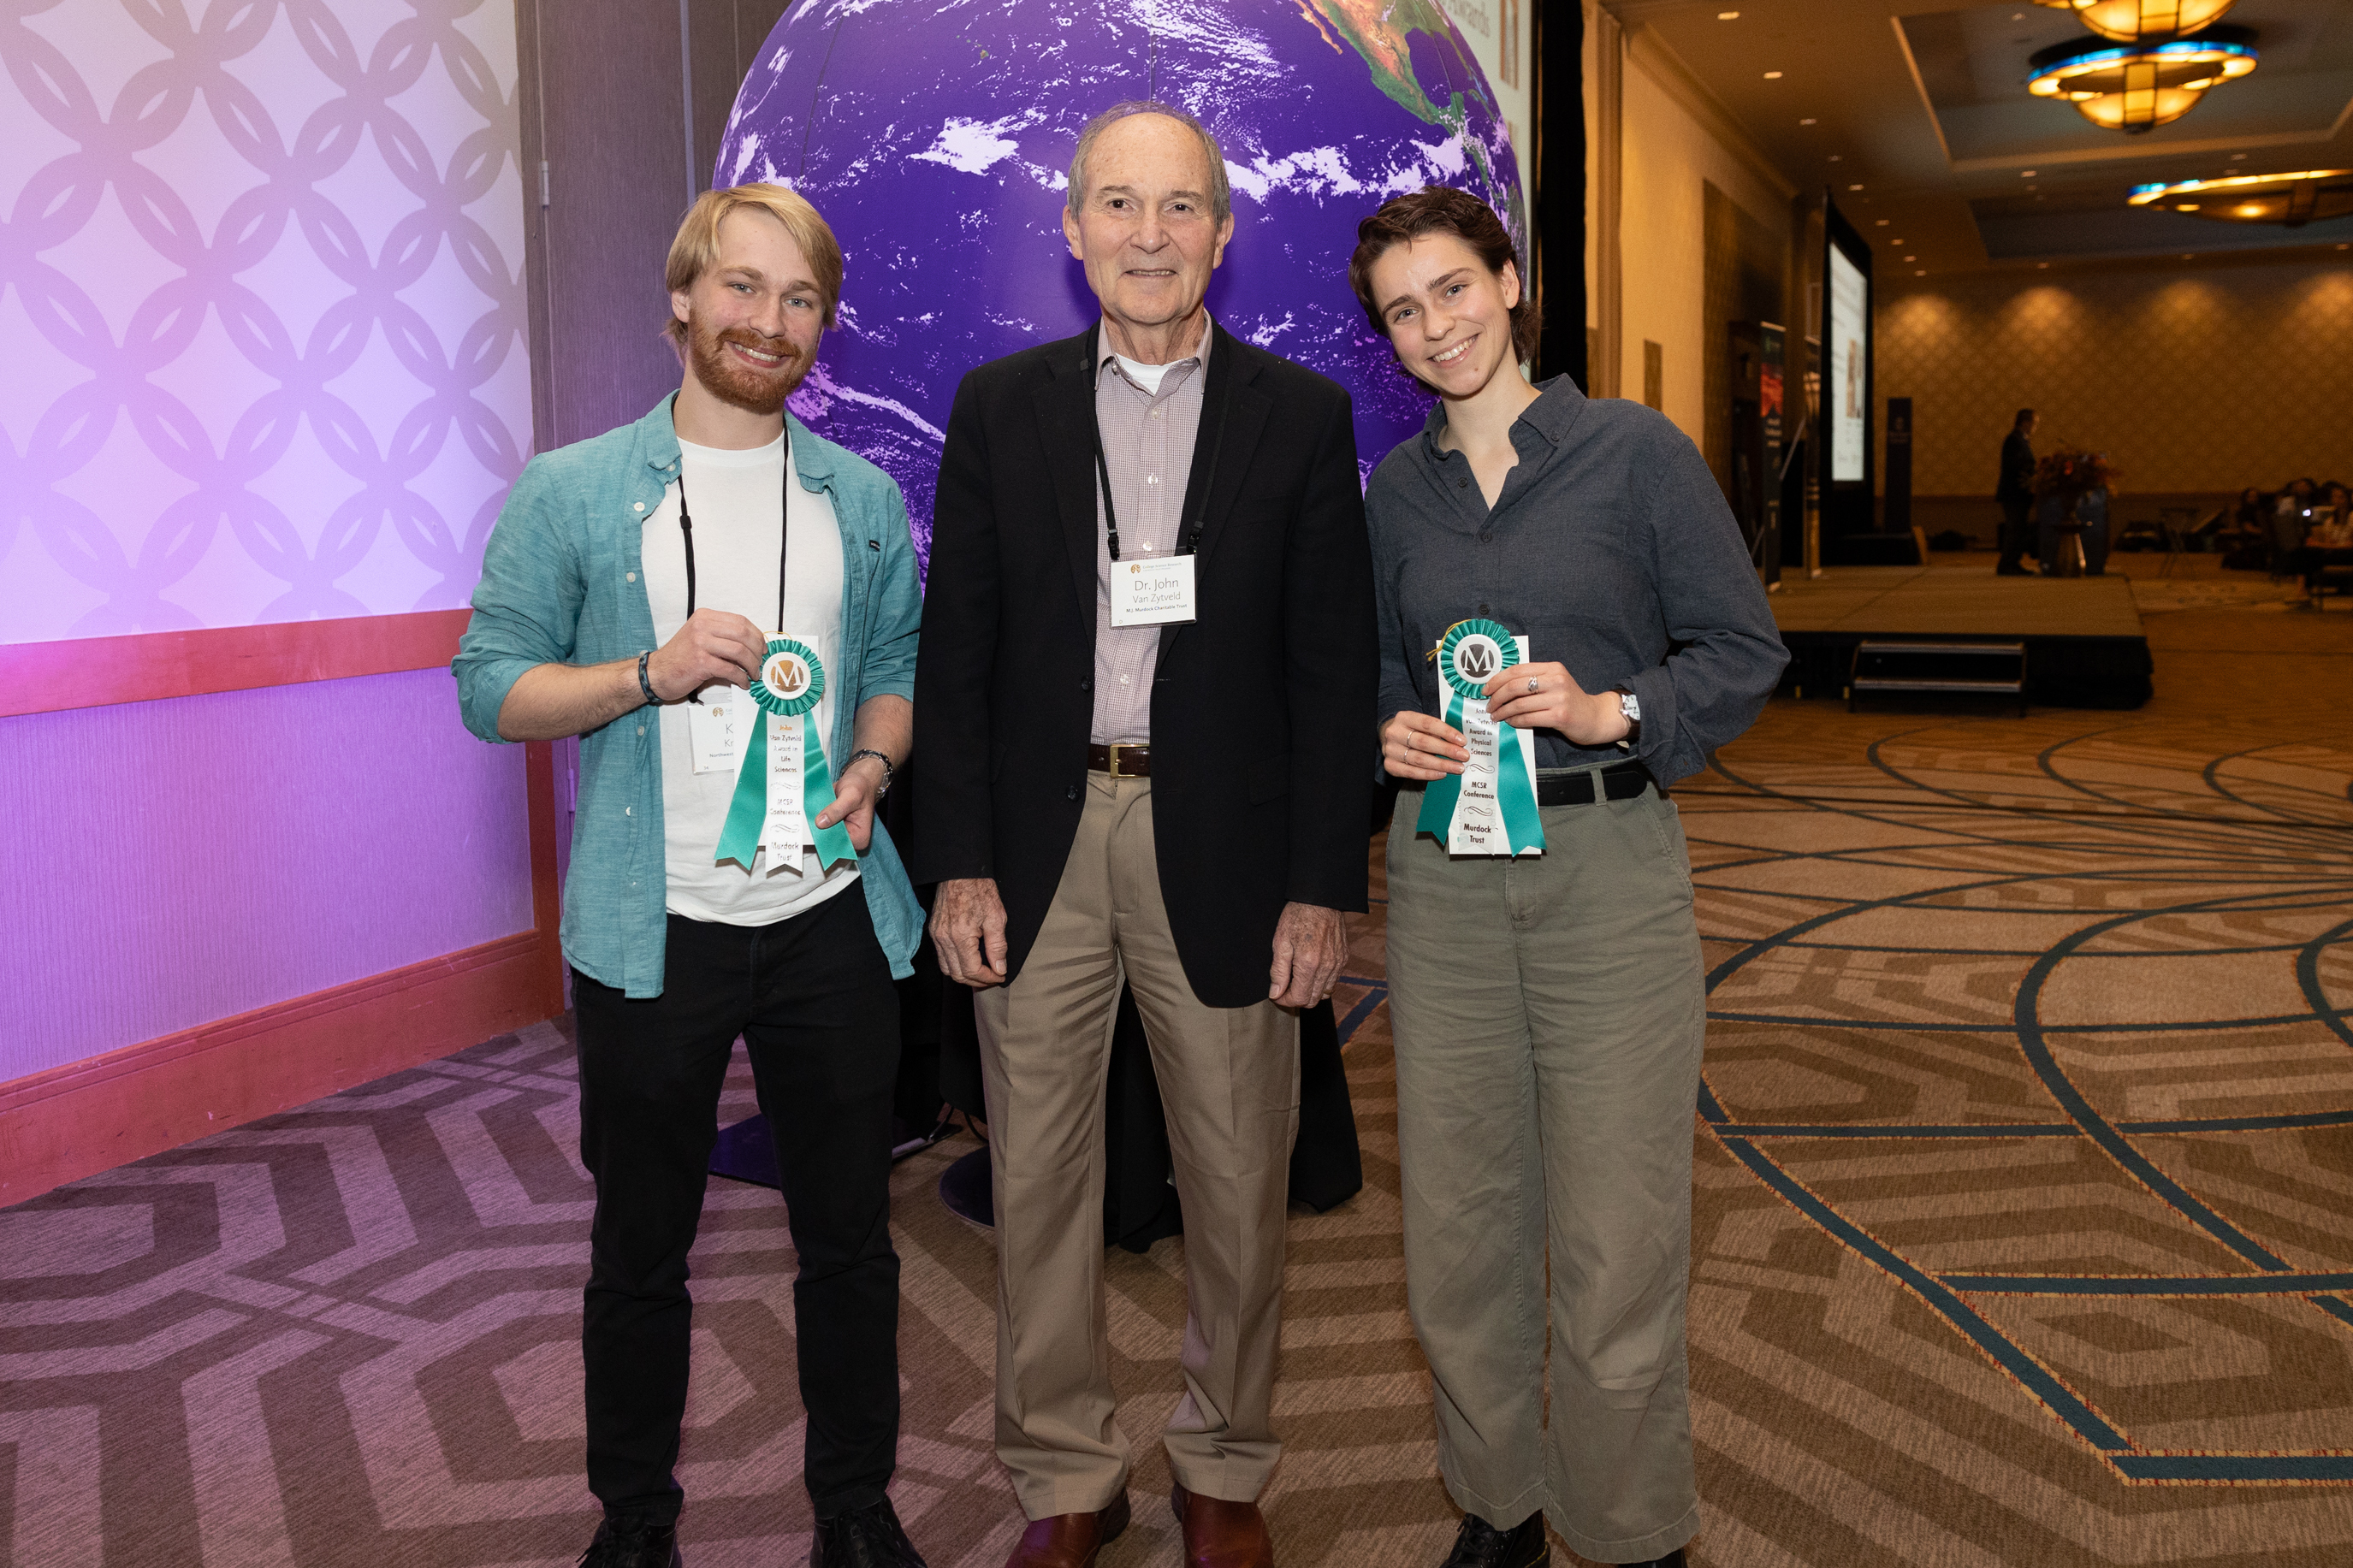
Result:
pixel 1121 761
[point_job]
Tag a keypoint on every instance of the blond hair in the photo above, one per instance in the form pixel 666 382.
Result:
pixel 696 247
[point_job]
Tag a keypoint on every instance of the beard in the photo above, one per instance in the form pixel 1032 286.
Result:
pixel 729 380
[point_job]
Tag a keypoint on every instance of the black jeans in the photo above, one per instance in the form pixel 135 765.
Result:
pixel 2017 532
pixel 813 998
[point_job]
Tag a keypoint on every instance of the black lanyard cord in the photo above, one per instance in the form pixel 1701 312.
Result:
pixel 784 536
pixel 1189 543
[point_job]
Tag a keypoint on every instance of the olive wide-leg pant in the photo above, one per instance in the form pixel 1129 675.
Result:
pixel 1549 1013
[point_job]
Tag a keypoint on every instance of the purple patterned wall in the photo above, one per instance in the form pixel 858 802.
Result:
pixel 261 309
pixel 261 312
pixel 171 863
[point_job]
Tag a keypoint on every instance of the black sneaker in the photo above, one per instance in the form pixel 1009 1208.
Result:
pixel 633 1543
pixel 866 1537
pixel 1479 1544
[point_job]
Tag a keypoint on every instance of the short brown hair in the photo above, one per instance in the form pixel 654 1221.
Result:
pixel 696 246
pixel 1443 209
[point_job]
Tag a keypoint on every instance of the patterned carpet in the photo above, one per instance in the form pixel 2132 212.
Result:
pixel 2025 1219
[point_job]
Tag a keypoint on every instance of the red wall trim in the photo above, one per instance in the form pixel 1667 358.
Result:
pixel 89 672
pixel 92 1115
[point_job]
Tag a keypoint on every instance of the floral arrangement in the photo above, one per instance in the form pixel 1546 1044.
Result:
pixel 2073 474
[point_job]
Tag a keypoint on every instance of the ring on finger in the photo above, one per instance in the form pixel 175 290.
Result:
pixel 1532 683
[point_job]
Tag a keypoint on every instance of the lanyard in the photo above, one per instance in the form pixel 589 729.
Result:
pixel 784 536
pixel 1187 542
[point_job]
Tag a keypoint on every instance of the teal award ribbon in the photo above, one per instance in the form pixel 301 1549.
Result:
pixel 1469 655
pixel 791 681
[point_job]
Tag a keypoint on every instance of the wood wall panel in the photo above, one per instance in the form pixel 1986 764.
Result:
pixel 93 673
pixel 91 1116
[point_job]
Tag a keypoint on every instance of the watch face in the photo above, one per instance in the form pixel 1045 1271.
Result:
pixel 1630 706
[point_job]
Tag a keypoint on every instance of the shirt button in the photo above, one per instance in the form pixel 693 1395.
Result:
pixel 1086 685
pixel 1123 680
pixel 633 576
pixel 1151 479
pixel 1482 609
pixel 629 811
pixel 639 505
pixel 1462 484
pixel 1072 793
pixel 641 728
pixel 1487 536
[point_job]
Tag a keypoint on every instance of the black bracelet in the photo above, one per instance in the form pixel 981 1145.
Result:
pixel 645 685
pixel 889 771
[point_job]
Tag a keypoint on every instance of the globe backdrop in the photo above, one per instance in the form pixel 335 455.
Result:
pixel 935 136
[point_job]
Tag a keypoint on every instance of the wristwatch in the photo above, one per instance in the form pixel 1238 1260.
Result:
pixel 1632 706
pixel 884 787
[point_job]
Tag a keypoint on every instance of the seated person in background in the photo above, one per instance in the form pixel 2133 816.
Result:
pixel 2329 543
pixel 2240 528
pixel 2296 499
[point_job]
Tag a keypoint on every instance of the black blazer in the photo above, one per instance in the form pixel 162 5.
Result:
pixel 1263 739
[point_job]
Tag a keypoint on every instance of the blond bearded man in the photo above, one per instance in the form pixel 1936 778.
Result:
pixel 629 597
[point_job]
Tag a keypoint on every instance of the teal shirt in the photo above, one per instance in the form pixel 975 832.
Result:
pixel 563 583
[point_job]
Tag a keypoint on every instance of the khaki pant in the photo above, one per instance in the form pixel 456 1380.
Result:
pixel 1549 1015
pixel 1229 1081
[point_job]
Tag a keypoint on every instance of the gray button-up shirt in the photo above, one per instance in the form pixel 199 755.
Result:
pixel 1610 550
pixel 1147 441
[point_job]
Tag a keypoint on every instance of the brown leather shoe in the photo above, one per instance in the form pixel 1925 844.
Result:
pixel 1069 1540
pixel 1221 1535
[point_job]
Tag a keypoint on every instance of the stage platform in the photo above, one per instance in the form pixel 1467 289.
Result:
pixel 2084 644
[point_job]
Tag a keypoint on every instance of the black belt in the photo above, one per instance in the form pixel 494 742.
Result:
pixel 1619 781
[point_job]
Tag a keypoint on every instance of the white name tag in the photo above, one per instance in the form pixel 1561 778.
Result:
pixel 1155 593
pixel 716 727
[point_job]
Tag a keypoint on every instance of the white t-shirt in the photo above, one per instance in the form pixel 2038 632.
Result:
pixel 735 497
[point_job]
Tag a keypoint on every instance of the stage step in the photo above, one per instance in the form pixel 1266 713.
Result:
pixel 1967 668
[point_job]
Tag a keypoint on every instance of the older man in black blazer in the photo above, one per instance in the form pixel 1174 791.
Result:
pixel 1146 706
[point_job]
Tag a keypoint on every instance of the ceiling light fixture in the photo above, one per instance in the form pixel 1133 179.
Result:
pixel 2130 21
pixel 1807 121
pixel 1727 16
pixel 1854 187
pixel 2294 200
pixel 2134 88
pixel 1772 75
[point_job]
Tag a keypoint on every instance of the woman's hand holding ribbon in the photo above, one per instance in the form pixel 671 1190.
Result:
pixel 1547 697
pixel 1417 746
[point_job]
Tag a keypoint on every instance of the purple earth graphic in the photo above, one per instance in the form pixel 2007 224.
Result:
pixel 936 137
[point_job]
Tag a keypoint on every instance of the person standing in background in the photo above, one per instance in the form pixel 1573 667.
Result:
pixel 2016 491
pixel 695 912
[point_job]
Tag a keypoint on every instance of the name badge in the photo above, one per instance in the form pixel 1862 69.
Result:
pixel 714 729
pixel 1157 592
